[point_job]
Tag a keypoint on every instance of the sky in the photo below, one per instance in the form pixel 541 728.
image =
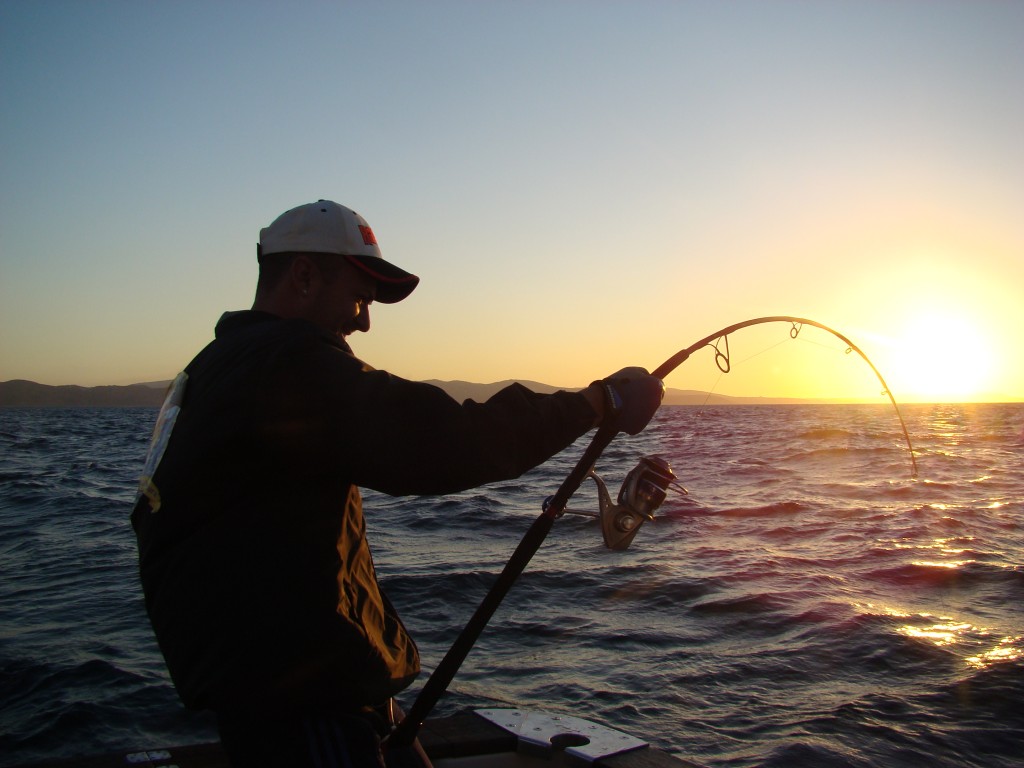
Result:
pixel 581 186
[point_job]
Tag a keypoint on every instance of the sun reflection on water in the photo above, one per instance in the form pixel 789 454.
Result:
pixel 940 634
pixel 947 632
pixel 950 564
pixel 1009 649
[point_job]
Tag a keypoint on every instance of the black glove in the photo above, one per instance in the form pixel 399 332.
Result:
pixel 631 397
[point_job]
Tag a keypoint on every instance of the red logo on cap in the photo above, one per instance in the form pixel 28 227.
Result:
pixel 367 233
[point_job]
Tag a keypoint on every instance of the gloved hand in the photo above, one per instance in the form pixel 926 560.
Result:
pixel 631 397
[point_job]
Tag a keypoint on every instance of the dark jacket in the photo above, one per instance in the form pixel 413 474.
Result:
pixel 258 578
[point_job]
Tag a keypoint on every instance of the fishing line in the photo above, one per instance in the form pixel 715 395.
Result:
pixel 792 337
pixel 437 684
pixel 763 351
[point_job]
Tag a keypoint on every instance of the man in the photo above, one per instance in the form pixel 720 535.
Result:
pixel 258 578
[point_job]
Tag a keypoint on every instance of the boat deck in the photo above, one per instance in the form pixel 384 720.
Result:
pixel 461 741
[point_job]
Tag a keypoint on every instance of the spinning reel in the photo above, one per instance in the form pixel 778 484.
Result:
pixel 643 491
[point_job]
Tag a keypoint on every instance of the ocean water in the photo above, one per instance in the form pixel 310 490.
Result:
pixel 808 603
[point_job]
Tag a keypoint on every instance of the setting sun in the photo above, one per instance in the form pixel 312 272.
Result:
pixel 941 355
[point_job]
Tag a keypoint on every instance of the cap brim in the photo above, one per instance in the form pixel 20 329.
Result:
pixel 393 283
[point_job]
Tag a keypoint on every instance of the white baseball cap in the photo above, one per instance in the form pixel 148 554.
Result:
pixel 326 227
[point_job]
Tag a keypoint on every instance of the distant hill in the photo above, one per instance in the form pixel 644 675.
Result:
pixel 28 394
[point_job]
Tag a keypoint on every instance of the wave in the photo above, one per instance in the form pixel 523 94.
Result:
pixel 87 706
pixel 745 604
pixel 768 510
pixel 959 714
pixel 949 575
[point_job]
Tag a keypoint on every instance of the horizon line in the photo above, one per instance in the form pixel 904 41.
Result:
pixel 693 397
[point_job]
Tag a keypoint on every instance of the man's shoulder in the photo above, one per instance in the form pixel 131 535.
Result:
pixel 260 357
pixel 253 321
pixel 247 324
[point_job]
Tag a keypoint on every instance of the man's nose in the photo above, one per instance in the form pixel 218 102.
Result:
pixel 363 318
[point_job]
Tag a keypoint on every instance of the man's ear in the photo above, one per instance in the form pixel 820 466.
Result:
pixel 301 274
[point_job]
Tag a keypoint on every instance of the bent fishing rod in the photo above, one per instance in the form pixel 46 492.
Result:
pixel 648 483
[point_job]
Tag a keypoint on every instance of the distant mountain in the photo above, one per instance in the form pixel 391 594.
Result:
pixel 467 390
pixel 28 394
pixel 20 393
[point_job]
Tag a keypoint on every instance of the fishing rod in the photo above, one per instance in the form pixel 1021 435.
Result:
pixel 723 363
pixel 642 492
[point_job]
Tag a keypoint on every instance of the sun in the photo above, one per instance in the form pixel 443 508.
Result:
pixel 941 355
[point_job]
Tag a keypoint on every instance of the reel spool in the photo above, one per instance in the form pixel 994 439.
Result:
pixel 643 491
